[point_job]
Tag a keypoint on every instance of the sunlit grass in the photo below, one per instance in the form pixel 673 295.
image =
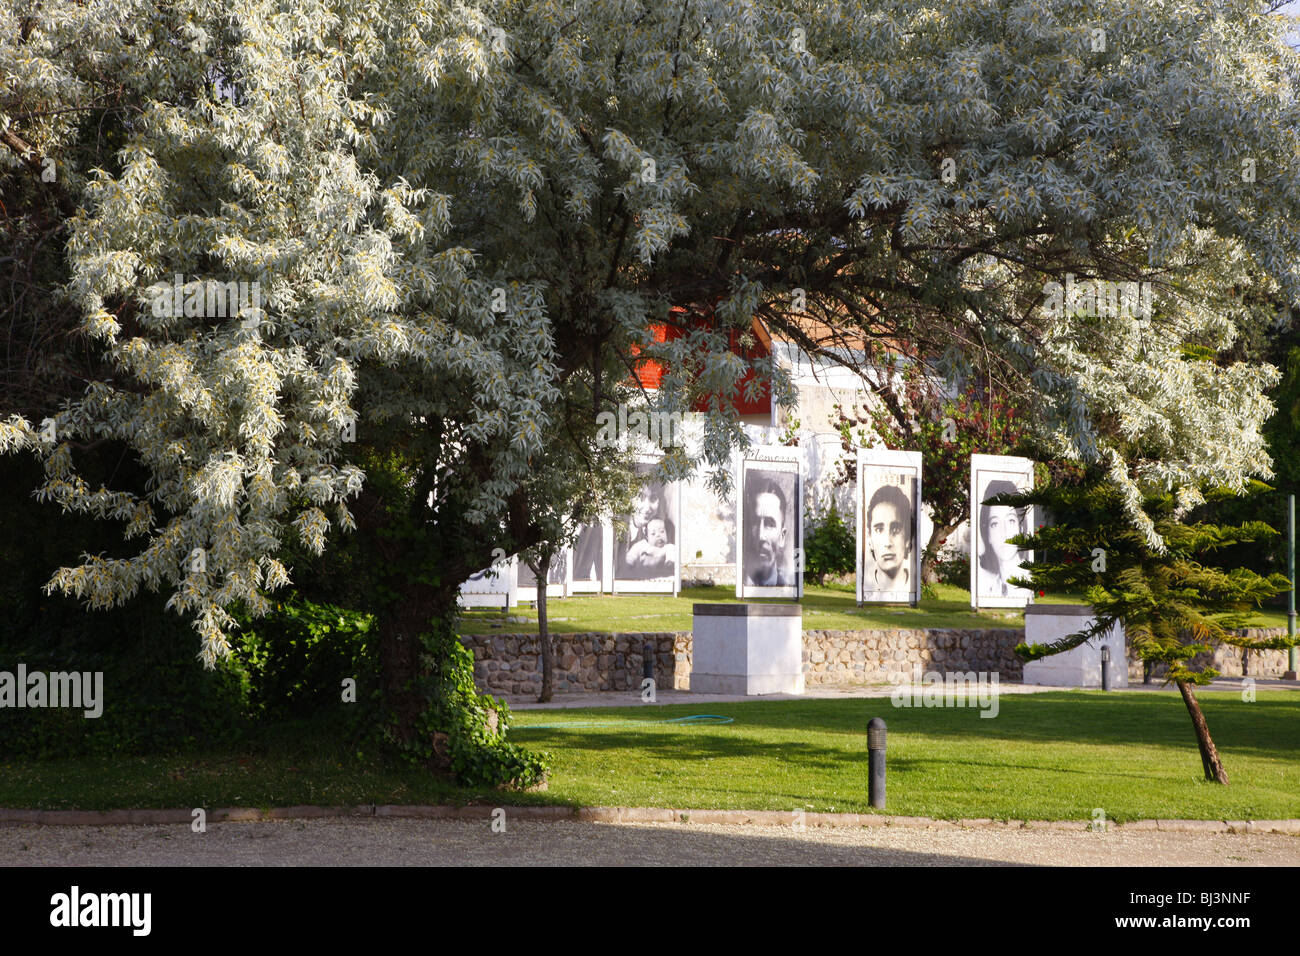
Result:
pixel 1058 755
pixel 829 608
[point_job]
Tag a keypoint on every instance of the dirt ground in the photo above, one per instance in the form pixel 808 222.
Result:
pixel 405 842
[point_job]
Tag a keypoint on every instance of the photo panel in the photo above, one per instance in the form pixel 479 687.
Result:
pixel 647 543
pixel 491 587
pixel 889 526
pixel 992 560
pixel 769 532
pixel 590 559
pixel 526 581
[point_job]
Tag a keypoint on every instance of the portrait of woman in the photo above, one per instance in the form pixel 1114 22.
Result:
pixel 998 559
pixel 646 548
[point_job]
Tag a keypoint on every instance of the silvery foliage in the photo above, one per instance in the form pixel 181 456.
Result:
pixel 383 168
pixel 1117 141
pixel 242 422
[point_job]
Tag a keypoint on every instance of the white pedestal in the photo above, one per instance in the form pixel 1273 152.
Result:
pixel 1080 666
pixel 747 649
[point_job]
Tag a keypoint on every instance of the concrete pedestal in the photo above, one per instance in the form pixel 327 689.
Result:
pixel 747 649
pixel 1080 666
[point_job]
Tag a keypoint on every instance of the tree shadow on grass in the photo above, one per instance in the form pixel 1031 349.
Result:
pixel 1264 727
pixel 688 744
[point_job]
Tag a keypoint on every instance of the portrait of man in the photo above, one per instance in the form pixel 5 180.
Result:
pixel 554 574
pixel 768 529
pixel 589 554
pixel 890 537
pixel 889 510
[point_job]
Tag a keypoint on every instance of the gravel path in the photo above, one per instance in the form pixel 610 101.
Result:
pixel 473 843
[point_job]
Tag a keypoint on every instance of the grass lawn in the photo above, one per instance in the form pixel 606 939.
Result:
pixel 1045 756
pixel 824 608
pixel 831 607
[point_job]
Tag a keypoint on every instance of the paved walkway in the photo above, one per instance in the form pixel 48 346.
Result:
pixel 632 698
pixel 399 842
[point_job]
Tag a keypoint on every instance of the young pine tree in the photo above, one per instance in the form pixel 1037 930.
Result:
pixel 1173 604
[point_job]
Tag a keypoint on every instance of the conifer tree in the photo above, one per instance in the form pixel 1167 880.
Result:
pixel 1172 603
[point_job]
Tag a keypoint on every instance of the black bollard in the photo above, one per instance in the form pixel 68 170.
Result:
pixel 1105 667
pixel 876 762
pixel 648 661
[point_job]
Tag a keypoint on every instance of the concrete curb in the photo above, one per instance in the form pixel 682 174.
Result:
pixel 790 818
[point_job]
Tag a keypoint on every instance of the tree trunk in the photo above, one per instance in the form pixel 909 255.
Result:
pixel 401 625
pixel 543 631
pixel 930 556
pixel 1209 754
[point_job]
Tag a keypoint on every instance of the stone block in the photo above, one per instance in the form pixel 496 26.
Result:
pixel 748 649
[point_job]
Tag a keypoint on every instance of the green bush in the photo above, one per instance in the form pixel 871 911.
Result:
pixel 156 696
pixel 828 547
pixel 954 570
pixel 286 668
pixel 462 729
pixel 298 656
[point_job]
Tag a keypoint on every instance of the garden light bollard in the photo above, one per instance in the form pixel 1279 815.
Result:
pixel 876 762
pixel 1105 667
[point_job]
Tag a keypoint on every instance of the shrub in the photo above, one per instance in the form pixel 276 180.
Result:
pixel 954 569
pixel 828 547
pixel 156 696
pixel 463 730
pixel 298 656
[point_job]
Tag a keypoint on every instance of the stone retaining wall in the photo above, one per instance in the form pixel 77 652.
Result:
pixel 1227 660
pixel 876 656
pixel 510 663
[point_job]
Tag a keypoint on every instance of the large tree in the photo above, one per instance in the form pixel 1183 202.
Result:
pixel 464 217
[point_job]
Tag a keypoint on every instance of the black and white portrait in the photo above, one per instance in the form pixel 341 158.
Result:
pixel 888 506
pixel 770 529
pixel 646 544
pixel 588 558
pixel 993 560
